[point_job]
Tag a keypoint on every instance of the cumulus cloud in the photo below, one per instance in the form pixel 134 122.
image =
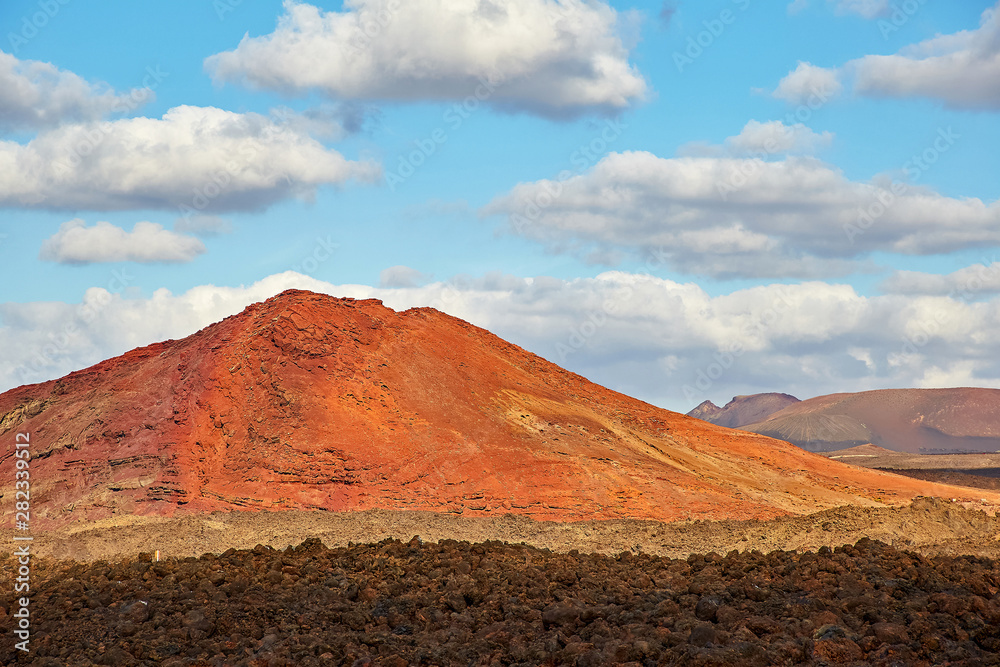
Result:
pixel 37 95
pixel 194 159
pixel 774 137
pixel 966 283
pixel 809 84
pixel 669 343
pixel 148 242
pixel 401 276
pixel 742 218
pixel 542 56
pixel 962 70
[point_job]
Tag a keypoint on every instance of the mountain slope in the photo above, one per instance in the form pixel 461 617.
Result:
pixel 311 402
pixel 906 420
pixel 743 410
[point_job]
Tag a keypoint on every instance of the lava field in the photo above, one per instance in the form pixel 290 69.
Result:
pixel 458 603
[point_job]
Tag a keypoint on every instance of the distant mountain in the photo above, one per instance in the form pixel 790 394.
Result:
pixel 743 410
pixel 919 421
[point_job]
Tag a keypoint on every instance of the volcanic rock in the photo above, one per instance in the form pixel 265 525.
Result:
pixel 603 615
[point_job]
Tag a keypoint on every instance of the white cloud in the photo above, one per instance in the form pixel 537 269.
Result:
pixel 201 158
pixel 663 341
pixel 966 283
pixel 76 243
pixel 401 276
pixel 728 217
pixel 958 374
pixel 809 84
pixel 774 137
pixel 962 69
pixel 36 95
pixel 552 58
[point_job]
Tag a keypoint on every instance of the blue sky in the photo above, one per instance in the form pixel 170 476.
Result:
pixel 616 108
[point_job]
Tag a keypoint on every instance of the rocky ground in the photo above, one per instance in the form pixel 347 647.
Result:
pixel 459 603
pixel 928 526
pixel 871 456
pixel 973 480
pixel 976 471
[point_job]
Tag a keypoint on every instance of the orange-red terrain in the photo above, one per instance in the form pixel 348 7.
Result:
pixel 311 402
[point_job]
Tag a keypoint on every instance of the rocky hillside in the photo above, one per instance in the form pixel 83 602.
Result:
pixel 316 403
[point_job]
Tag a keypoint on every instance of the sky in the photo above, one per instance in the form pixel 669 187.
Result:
pixel 681 201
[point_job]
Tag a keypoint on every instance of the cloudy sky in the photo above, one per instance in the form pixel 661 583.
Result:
pixel 679 200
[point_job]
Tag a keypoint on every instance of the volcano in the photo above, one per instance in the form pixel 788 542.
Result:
pixel 743 410
pixel 917 421
pixel 307 401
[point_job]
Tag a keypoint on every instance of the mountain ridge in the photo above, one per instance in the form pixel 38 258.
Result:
pixel 908 420
pixel 743 410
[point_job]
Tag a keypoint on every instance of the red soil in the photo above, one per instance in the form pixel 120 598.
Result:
pixel 310 402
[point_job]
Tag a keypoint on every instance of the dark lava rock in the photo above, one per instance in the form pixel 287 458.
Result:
pixel 891 633
pixel 707 609
pixel 703 634
pixel 394 604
